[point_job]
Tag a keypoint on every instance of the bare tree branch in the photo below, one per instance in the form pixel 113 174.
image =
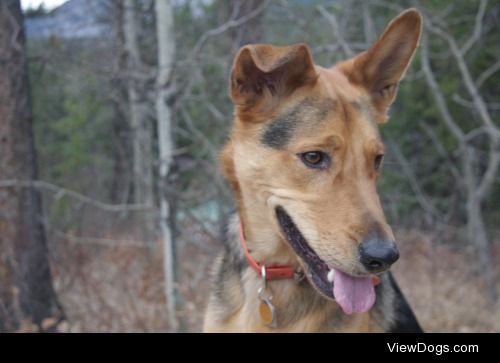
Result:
pixel 60 192
pixel 329 48
pixel 336 30
pixel 388 5
pixel 483 77
pixel 469 104
pixel 412 179
pixel 368 26
pixel 476 35
pixel 441 151
pixel 113 243
pixel 231 23
pixel 436 91
pixel 199 134
pixel 467 79
pixel 491 171
pixel 474 133
pixel 480 106
pixel 466 151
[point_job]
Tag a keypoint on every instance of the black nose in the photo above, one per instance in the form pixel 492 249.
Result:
pixel 377 255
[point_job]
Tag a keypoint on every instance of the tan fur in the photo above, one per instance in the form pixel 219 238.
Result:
pixel 247 320
pixel 334 209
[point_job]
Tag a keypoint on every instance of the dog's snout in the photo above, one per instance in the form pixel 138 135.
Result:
pixel 377 255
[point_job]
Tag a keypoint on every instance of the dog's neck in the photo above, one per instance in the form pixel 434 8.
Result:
pixel 306 298
pixel 310 311
pixel 264 242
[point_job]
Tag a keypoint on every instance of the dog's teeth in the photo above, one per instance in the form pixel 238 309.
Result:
pixel 330 275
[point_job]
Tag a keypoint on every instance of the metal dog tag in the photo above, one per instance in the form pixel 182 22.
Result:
pixel 267 313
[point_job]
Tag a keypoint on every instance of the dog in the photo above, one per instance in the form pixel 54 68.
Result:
pixel 309 248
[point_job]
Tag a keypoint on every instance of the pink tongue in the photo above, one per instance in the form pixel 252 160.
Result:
pixel 353 294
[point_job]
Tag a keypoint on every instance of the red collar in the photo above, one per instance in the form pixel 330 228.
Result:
pixel 275 272
pixel 272 272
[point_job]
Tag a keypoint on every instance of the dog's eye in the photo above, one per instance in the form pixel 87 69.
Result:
pixel 315 159
pixel 378 161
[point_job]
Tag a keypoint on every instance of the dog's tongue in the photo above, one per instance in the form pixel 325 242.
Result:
pixel 353 294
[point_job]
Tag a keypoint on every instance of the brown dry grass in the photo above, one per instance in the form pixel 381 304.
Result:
pixel 120 289
pixel 440 283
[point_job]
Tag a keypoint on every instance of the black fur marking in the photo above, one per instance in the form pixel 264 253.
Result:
pixel 233 252
pixel 227 275
pixel 280 130
pixel 404 319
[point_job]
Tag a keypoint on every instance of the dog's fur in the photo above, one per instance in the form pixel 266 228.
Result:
pixel 286 106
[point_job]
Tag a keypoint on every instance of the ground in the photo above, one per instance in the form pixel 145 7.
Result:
pixel 108 288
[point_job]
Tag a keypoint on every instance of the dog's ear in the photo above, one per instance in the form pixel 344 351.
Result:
pixel 380 68
pixel 264 73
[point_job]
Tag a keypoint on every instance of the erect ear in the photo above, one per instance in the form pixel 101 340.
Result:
pixel 380 68
pixel 262 74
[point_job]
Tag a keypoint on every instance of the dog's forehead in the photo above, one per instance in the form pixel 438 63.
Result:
pixel 317 114
pixel 306 113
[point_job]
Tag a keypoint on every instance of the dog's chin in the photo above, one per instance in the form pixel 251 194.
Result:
pixel 316 270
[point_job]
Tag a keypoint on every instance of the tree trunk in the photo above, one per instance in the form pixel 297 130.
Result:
pixel 476 233
pixel 165 90
pixel 140 126
pixel 121 180
pixel 26 291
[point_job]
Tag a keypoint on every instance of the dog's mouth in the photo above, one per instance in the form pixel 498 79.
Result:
pixel 353 294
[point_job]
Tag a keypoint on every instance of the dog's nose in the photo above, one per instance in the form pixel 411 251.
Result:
pixel 377 255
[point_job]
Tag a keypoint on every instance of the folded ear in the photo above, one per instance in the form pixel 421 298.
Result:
pixel 262 74
pixel 381 67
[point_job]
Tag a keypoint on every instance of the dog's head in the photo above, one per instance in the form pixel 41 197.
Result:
pixel 305 153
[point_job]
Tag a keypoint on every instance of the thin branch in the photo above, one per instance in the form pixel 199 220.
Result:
pixel 412 179
pixel 469 104
pixel 201 224
pixel 199 134
pixel 476 35
pixel 441 150
pixel 436 91
pixel 336 30
pixel 388 5
pixel 368 26
pixel 467 79
pixel 483 77
pixel 329 48
pixel 466 151
pixel 104 241
pixel 475 133
pixel 490 174
pixel 216 113
pixel 60 192
pixel 231 23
